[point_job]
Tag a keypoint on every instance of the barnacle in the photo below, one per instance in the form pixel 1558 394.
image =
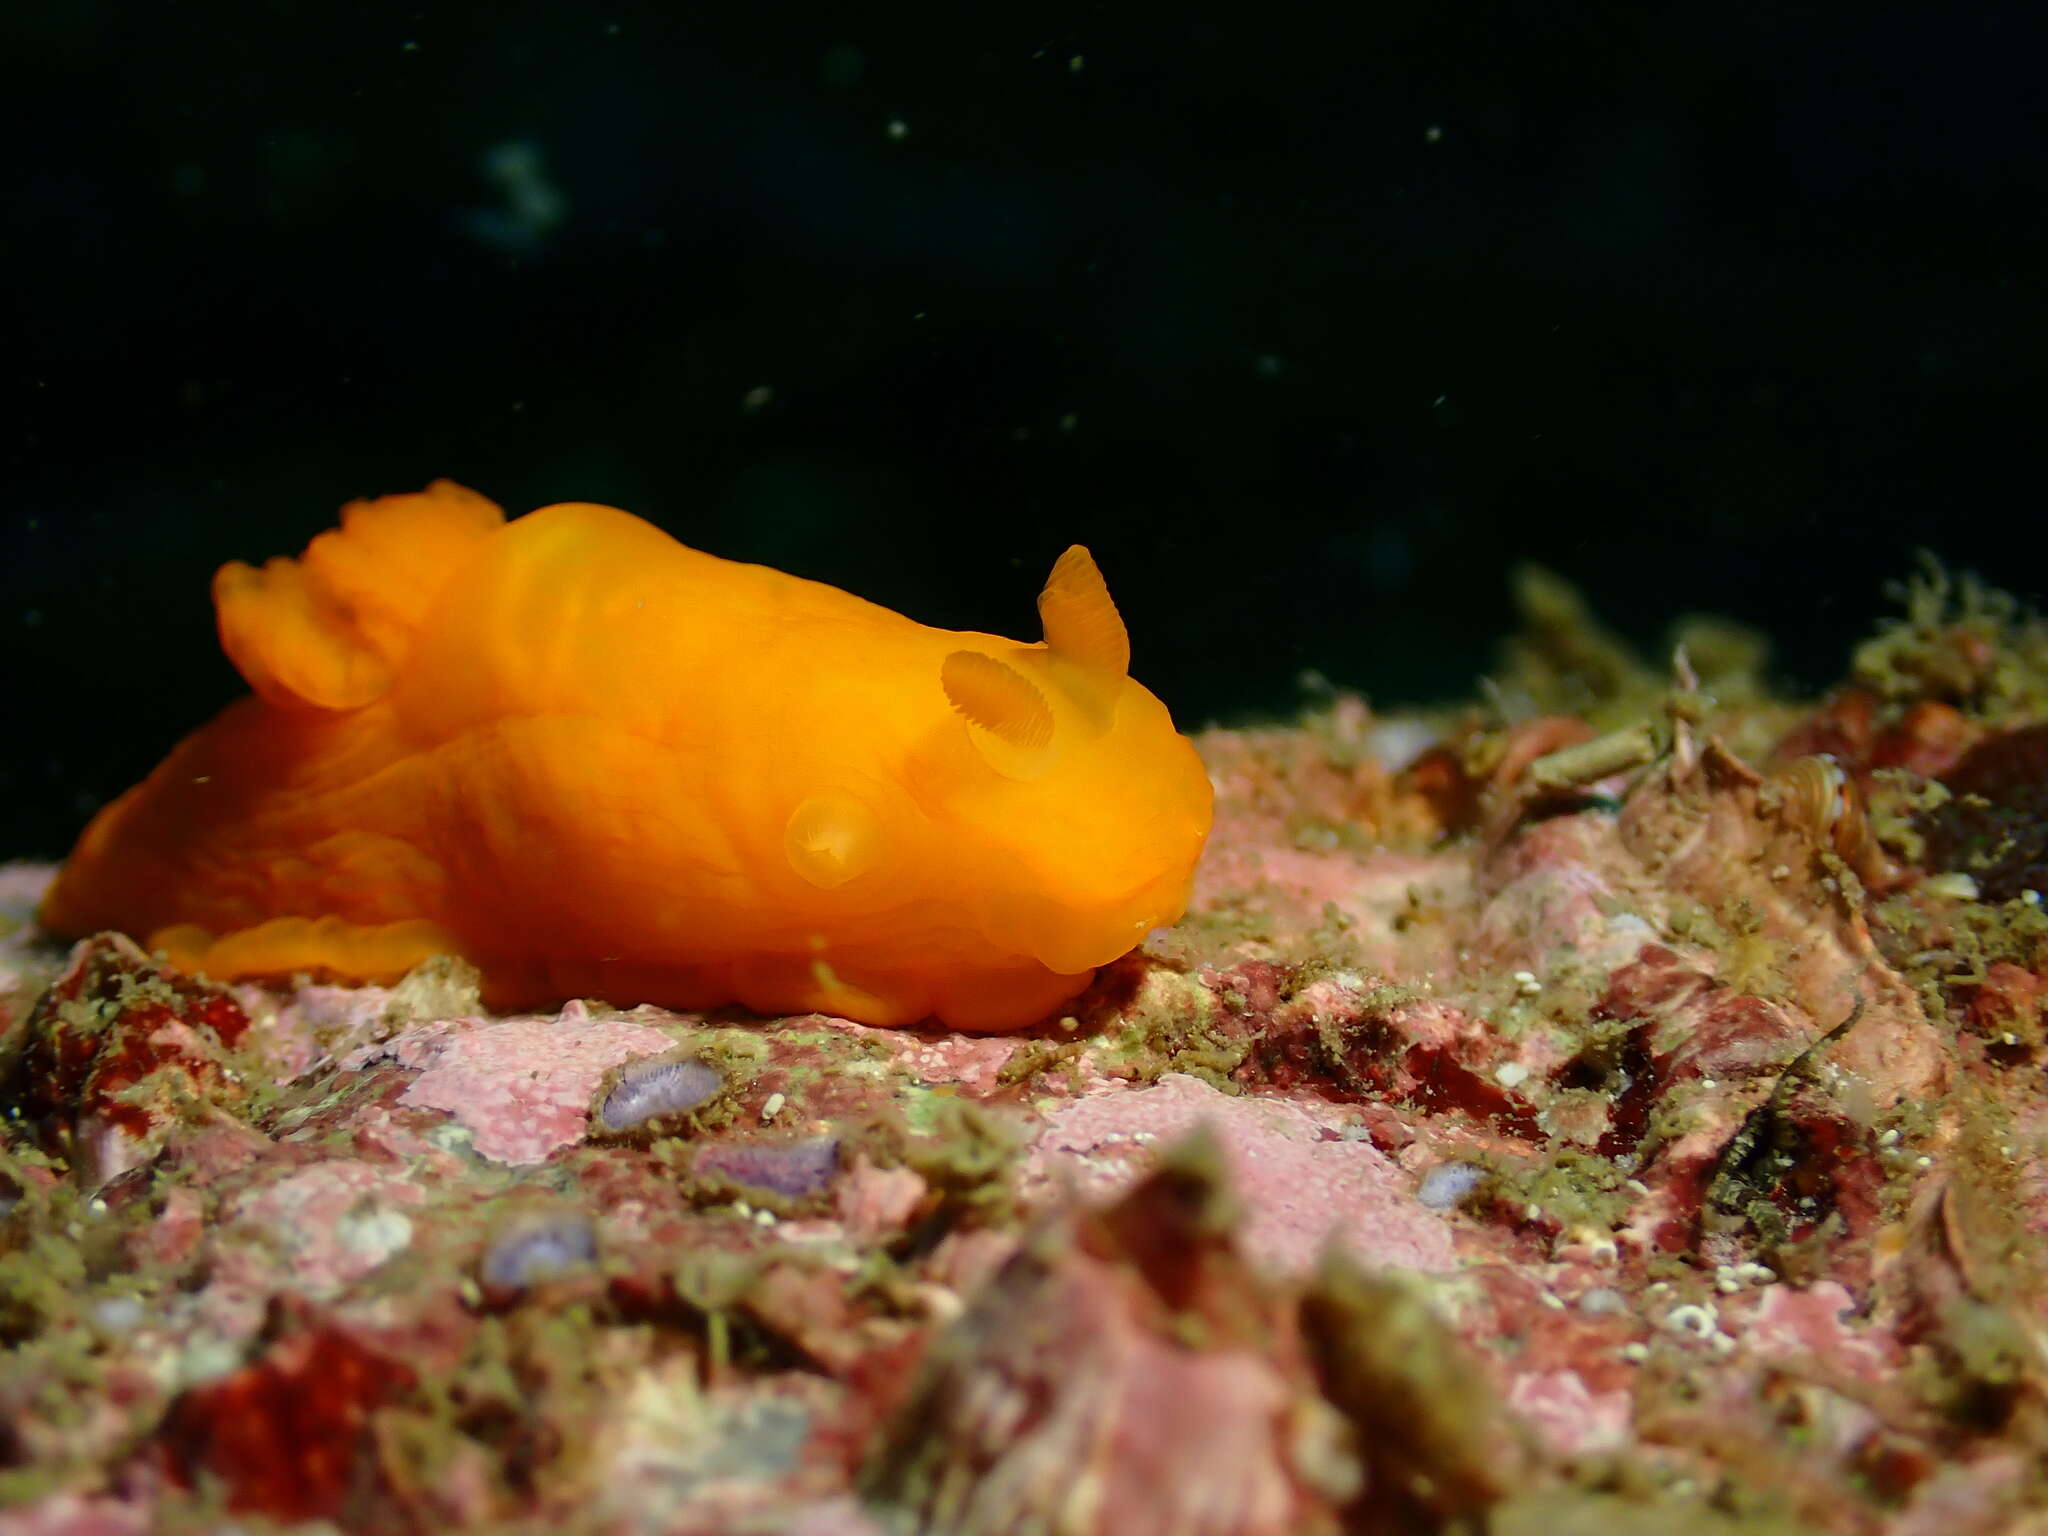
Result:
pixel 1815 795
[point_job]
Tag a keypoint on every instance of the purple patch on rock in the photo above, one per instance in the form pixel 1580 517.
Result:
pixel 792 1169
pixel 650 1090
pixel 536 1248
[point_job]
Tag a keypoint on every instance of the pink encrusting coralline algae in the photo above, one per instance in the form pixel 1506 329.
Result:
pixel 1616 1107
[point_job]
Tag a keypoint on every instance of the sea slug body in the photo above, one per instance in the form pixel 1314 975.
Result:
pixel 594 762
pixel 656 1092
pixel 538 1246
pixel 791 1169
pixel 1445 1186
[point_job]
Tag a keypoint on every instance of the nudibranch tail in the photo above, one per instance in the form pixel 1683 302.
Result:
pixel 328 630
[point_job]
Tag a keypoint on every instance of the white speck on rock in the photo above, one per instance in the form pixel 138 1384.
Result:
pixel 375 1234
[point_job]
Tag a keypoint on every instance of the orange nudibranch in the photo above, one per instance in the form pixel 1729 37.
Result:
pixel 595 762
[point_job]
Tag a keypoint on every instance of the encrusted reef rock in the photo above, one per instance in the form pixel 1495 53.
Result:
pixel 1618 1106
pixel 116 1054
pixel 1129 1368
pixel 1124 1370
pixel 1709 829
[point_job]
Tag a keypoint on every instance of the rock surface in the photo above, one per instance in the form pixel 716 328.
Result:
pixel 1620 1119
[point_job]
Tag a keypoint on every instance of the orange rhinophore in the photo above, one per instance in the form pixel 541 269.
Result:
pixel 595 762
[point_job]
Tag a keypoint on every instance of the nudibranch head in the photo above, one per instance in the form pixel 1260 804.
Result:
pixel 1084 808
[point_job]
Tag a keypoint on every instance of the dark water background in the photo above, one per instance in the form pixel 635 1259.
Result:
pixel 1311 324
